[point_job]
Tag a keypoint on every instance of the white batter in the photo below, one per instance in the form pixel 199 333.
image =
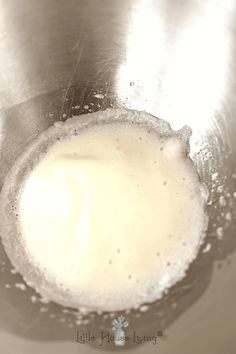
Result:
pixel 115 215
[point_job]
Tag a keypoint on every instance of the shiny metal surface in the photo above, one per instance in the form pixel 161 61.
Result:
pixel 174 59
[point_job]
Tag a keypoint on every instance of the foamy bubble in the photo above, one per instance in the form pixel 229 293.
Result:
pixel 129 273
pixel 220 232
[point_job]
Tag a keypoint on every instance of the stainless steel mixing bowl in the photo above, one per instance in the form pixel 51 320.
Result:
pixel 174 59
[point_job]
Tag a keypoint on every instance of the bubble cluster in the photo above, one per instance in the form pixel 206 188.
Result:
pixel 146 241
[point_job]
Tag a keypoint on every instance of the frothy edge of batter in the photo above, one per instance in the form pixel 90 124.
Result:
pixel 43 282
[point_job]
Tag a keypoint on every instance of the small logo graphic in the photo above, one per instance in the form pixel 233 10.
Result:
pixel 117 336
pixel 118 325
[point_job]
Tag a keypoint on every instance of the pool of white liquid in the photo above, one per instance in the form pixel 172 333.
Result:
pixel 111 214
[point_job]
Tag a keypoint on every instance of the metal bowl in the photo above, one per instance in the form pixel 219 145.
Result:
pixel 174 59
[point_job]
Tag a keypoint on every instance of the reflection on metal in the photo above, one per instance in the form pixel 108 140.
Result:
pixel 183 77
pixel 138 77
